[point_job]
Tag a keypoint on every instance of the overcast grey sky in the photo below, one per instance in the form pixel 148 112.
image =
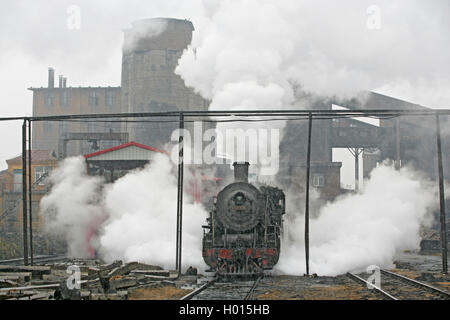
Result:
pixel 34 35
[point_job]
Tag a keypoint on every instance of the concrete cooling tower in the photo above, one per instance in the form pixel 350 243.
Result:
pixel 151 51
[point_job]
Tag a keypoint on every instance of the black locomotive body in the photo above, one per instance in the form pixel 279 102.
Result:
pixel 243 231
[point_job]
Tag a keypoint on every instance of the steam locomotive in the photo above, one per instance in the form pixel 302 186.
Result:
pixel 242 234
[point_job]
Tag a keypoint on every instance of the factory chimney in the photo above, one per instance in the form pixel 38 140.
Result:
pixel 64 82
pixel 60 81
pixel 241 171
pixel 51 77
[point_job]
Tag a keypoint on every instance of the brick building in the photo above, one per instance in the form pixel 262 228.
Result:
pixel 72 100
pixel 42 163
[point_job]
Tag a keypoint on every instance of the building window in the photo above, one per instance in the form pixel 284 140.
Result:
pixel 62 127
pixel 110 98
pixel 91 127
pixel 49 99
pixel 93 98
pixel 48 127
pixel 39 173
pixel 110 127
pixel 11 211
pixel 318 180
pixel 17 180
pixel 35 211
pixel 64 98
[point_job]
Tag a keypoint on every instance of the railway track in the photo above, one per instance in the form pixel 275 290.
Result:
pixel 221 289
pixel 397 287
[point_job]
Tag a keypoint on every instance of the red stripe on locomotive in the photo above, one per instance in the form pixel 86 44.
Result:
pixel 225 253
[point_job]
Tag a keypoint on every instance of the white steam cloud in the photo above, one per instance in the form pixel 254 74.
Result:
pixel 134 218
pixel 326 47
pixel 71 208
pixel 363 229
pixel 142 210
pixel 144 28
pixel 261 54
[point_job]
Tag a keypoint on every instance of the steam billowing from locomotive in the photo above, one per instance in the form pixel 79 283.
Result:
pixel 242 235
pixel 132 219
pixel 135 220
pixel 366 228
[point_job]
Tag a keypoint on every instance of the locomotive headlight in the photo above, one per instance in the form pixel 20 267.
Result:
pixel 239 198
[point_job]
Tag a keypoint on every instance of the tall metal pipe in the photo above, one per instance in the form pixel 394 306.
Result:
pixel 51 77
pixel 24 192
pixel 441 198
pixel 308 173
pixel 397 143
pixel 180 195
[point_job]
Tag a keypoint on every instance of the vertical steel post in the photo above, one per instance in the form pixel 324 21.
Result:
pixel 30 200
pixel 308 172
pixel 24 192
pixel 356 169
pixel 397 143
pixel 441 198
pixel 180 195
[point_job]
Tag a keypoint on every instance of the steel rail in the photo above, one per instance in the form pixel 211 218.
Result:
pixel 250 292
pixel 416 283
pixel 192 294
pixel 359 279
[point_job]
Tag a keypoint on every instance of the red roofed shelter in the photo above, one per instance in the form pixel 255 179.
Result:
pixel 115 162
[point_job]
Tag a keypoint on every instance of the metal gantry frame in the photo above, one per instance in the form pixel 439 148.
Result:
pixel 356 152
pixel 180 195
pixel 308 174
pixel 24 192
pixel 30 200
pixel 238 115
pixel 441 198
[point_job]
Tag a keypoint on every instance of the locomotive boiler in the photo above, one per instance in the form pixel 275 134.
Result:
pixel 243 231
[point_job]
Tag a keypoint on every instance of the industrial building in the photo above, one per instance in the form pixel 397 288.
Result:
pixel 149 84
pixel 42 163
pixel 151 50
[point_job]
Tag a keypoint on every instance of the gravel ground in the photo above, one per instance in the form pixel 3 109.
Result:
pixel 308 288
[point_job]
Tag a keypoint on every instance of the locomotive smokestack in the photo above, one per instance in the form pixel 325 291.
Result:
pixel 241 171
